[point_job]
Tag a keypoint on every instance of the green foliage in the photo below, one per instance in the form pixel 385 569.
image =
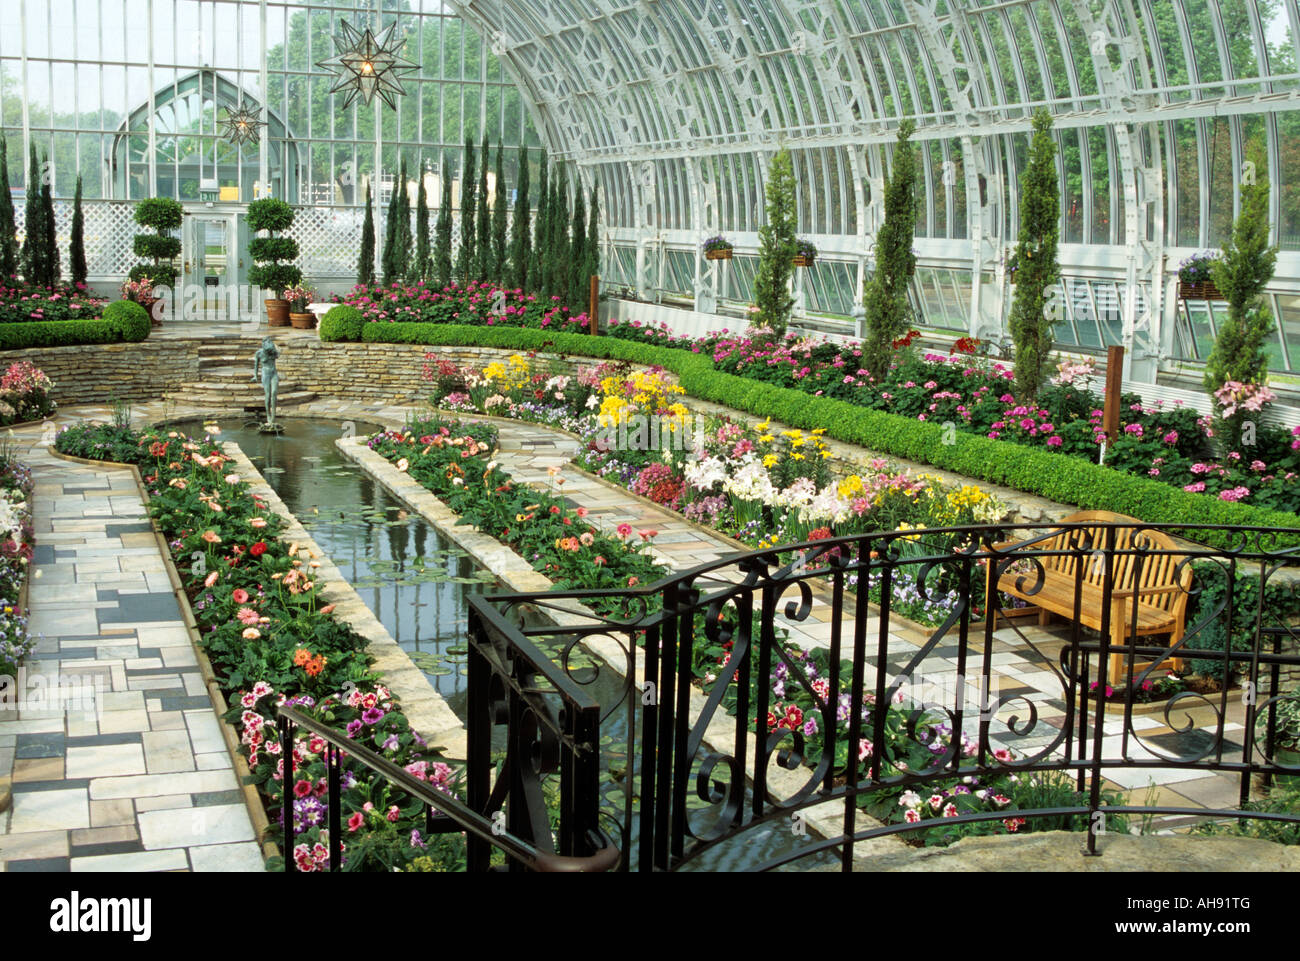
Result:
pixel 1241 275
pixel 776 248
pixel 156 247
pixel 342 323
pixel 366 258
pixel 77 246
pixel 122 321
pixel 53 271
pixel 1211 603
pixel 888 307
pixel 397 242
pixel 557 274
pixel 8 222
pixel 497 268
pixel 35 265
pixel 159 248
pixel 521 248
pixel 538 255
pixel 270 272
pixel 465 256
pixel 578 284
pixel 483 226
pixel 269 213
pixel 1037 273
pixel 592 255
pixel 418 269
pixel 1024 468
pixel 442 233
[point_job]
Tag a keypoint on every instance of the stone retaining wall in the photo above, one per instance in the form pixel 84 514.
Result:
pixel 97 373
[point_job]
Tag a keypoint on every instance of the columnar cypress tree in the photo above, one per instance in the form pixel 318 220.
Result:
pixel 8 228
pixel 419 268
pixel 442 234
pixel 1037 274
pixel 889 311
pixel 366 259
pixel 521 248
pixel 1241 274
pixel 559 282
pixel 483 228
pixel 34 269
pixel 465 256
pixel 497 273
pixel 591 256
pixel 404 251
pixel 388 261
pixel 77 248
pixel 537 258
pixel 577 283
pixel 53 269
pixel 776 248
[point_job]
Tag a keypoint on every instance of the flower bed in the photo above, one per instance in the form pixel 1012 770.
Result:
pixel 256 602
pixel 477 304
pixel 24 394
pixel 16 547
pixel 754 484
pixel 20 303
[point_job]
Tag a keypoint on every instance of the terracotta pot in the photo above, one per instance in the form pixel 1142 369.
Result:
pixel 717 255
pixel 277 313
pixel 302 321
pixel 148 303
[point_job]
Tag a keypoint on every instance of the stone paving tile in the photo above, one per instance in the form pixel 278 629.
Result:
pixel 92 779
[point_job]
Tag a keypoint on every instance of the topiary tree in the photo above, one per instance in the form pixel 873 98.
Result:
pixel 8 223
pixel 465 256
pixel 273 256
pixel 343 322
pixel 442 234
pixel 35 270
pixel 419 266
pixel 776 248
pixel 366 259
pixel 77 247
pixel 1036 270
pixel 888 307
pixel 497 270
pixel 521 248
pixel 163 215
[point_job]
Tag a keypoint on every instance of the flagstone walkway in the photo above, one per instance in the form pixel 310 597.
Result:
pixel 127 769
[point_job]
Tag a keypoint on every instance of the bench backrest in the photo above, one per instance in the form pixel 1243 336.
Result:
pixel 1156 570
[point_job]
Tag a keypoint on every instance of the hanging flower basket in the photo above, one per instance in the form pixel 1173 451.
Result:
pixel 801 261
pixel 1204 290
pixel 722 253
pixel 805 253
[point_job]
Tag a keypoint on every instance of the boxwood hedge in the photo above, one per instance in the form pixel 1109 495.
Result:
pixel 123 320
pixel 1027 469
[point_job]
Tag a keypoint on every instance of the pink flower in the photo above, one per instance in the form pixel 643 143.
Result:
pixel 239 596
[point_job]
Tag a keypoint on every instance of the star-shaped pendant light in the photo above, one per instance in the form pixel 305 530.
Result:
pixel 241 125
pixel 367 64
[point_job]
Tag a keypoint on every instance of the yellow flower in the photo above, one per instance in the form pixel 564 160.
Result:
pixel 770 461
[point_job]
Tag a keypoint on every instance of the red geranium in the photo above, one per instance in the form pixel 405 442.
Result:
pixel 258 549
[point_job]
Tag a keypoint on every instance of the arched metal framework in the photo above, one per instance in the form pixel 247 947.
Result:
pixel 1162 107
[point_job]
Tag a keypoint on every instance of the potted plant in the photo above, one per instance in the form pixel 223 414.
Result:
pixel 140 291
pixel 718 248
pixel 273 269
pixel 160 247
pixel 805 253
pixel 299 297
pixel 1195 277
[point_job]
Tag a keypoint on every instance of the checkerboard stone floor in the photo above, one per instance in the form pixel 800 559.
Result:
pixel 130 773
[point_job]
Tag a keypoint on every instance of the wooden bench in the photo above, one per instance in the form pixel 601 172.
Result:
pixel 1161 597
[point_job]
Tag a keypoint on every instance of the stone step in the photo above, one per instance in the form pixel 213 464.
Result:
pixel 237 374
pixel 229 347
pixel 217 361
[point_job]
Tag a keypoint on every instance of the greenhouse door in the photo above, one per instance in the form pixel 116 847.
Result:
pixel 214 274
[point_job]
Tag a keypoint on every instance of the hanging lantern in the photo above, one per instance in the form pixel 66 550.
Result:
pixel 241 125
pixel 367 64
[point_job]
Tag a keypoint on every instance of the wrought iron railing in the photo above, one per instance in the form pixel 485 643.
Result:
pixel 692 671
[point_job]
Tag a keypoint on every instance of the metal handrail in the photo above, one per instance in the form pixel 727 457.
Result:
pixel 453 814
